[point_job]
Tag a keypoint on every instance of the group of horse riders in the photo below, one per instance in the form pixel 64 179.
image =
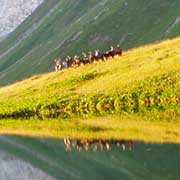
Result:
pixel 87 58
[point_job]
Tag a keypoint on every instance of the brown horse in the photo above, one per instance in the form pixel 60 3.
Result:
pixel 91 57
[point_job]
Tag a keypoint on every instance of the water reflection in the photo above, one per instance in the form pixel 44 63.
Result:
pixel 89 159
pixel 95 145
pixel 13 168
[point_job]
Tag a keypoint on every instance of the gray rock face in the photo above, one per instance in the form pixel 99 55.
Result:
pixel 14 12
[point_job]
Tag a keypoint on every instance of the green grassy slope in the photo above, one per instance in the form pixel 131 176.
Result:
pixel 146 161
pixel 69 27
pixel 141 88
pixel 147 71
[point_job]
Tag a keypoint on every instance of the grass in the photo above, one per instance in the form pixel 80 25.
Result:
pixel 137 93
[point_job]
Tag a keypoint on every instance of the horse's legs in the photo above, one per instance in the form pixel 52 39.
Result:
pixel 56 69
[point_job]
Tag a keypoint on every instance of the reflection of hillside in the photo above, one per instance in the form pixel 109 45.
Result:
pixel 146 160
pixel 16 169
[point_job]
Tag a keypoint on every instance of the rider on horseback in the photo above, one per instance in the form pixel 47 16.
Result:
pixel 119 50
pixel 58 64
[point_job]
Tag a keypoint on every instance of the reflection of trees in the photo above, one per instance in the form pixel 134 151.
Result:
pixel 95 144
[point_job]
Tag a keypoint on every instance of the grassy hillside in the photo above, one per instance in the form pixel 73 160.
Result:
pixel 69 27
pixel 146 161
pixel 140 93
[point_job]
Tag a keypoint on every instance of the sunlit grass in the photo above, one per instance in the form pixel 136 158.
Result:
pixel 136 65
pixel 111 126
pixel 147 69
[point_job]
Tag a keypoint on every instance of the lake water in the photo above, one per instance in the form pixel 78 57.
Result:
pixel 39 158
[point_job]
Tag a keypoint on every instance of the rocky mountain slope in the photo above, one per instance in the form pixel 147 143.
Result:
pixel 12 13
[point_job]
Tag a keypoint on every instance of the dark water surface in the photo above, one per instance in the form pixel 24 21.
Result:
pixel 39 158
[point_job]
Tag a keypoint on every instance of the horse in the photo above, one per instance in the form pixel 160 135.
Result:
pixel 91 57
pixel 69 61
pixel 85 58
pixel 98 55
pixel 58 65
